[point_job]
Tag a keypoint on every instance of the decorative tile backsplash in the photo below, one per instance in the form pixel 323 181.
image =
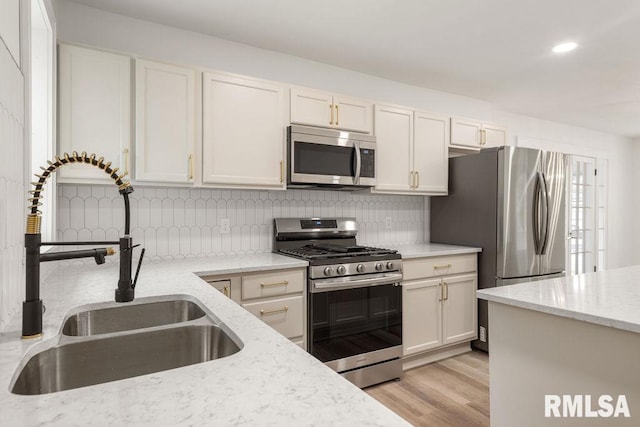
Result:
pixel 13 197
pixel 177 222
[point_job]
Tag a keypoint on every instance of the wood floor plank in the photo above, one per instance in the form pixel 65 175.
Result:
pixel 451 392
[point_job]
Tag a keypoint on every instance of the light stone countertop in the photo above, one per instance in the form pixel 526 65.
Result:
pixel 608 298
pixel 433 249
pixel 271 381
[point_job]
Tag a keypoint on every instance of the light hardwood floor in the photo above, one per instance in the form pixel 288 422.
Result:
pixel 452 392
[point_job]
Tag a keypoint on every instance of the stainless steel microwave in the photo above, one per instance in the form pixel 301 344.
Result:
pixel 330 158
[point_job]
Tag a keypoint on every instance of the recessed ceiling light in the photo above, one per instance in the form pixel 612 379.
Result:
pixel 565 47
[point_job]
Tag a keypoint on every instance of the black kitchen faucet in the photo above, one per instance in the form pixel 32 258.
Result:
pixel 32 307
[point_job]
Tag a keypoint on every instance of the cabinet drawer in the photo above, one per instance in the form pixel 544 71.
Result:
pixel 284 314
pixel 272 284
pixel 438 266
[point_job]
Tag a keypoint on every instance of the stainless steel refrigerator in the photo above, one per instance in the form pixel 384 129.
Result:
pixel 509 201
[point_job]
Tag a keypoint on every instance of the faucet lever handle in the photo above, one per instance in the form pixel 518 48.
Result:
pixel 135 280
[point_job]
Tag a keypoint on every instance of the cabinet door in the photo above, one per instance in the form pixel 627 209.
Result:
pixel 494 136
pixel 243 138
pixel 421 316
pixel 223 286
pixel 285 315
pixel 94 110
pixel 459 308
pixel 430 156
pixel 352 114
pixel 165 122
pixel 394 138
pixel 310 107
pixel 465 132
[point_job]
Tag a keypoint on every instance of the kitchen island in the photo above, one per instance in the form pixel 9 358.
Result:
pixel 270 381
pixel 566 351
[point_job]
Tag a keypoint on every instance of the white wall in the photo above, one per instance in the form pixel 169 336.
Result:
pixel 635 207
pixel 12 164
pixel 10 28
pixel 81 24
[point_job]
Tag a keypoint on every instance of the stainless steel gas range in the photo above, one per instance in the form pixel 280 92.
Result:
pixel 354 297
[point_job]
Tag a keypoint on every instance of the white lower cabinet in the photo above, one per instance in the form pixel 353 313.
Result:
pixel 282 314
pixel 438 311
pixel 275 297
pixel 421 316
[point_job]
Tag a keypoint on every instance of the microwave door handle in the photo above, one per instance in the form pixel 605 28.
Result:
pixel 356 147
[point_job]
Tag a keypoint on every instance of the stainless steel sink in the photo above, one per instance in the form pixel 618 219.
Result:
pixel 110 341
pixel 95 361
pixel 131 316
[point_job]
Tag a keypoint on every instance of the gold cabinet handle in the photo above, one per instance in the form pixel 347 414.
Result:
pixel 483 136
pixel 442 266
pixel 412 180
pixel 125 153
pixel 271 285
pixel 225 291
pixel 441 291
pixel 417 179
pixel 281 171
pixel 446 291
pixel 190 167
pixel 331 109
pixel 279 310
pixel 337 115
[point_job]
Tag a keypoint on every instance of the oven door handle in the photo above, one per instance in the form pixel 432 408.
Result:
pixel 327 285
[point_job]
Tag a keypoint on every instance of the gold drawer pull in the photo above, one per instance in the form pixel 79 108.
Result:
pixel 440 267
pixel 270 285
pixel 226 291
pixel 280 310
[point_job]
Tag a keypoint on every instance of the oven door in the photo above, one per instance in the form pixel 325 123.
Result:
pixel 357 324
pixel 330 160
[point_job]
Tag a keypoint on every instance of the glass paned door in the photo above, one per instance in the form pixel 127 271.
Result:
pixel 587 219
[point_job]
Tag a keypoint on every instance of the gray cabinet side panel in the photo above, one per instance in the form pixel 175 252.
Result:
pixel 467 216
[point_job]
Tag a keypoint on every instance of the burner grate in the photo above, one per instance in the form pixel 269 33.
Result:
pixel 335 251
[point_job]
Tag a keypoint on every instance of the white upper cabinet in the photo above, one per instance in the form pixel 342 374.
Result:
pixel 94 93
pixel 494 136
pixel 473 134
pixel 316 108
pixel 243 141
pixel 430 156
pixel 165 123
pixel 394 142
pixel 411 155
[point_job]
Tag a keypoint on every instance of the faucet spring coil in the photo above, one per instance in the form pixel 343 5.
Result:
pixel 74 157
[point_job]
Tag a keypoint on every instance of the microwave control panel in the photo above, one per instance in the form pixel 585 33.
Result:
pixel 368 167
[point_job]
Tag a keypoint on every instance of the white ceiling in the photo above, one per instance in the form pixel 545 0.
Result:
pixel 494 50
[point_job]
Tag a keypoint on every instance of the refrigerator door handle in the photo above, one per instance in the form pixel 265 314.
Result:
pixel 536 215
pixel 545 199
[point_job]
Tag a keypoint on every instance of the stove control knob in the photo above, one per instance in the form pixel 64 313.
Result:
pixel 390 265
pixel 379 266
pixel 341 270
pixel 360 268
pixel 328 271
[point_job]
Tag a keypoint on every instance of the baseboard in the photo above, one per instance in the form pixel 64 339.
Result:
pixel 427 357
